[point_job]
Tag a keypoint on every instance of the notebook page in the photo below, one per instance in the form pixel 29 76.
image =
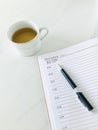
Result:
pixel 65 110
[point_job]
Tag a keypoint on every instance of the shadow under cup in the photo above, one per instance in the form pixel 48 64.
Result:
pixel 29 47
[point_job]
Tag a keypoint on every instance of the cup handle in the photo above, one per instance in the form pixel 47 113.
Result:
pixel 43 32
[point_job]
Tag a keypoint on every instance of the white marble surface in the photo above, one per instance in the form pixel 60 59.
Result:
pixel 22 102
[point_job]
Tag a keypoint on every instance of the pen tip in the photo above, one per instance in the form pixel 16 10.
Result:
pixel 60 67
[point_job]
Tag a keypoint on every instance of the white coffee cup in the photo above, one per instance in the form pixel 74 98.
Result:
pixel 31 47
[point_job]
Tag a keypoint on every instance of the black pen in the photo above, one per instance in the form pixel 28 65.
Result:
pixel 80 95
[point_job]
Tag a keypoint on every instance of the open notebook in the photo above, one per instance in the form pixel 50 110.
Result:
pixel 65 110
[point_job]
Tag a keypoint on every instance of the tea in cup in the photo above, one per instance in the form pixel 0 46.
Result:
pixel 26 37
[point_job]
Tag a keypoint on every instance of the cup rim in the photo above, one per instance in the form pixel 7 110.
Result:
pixel 29 23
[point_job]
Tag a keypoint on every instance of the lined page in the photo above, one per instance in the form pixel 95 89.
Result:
pixel 65 110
